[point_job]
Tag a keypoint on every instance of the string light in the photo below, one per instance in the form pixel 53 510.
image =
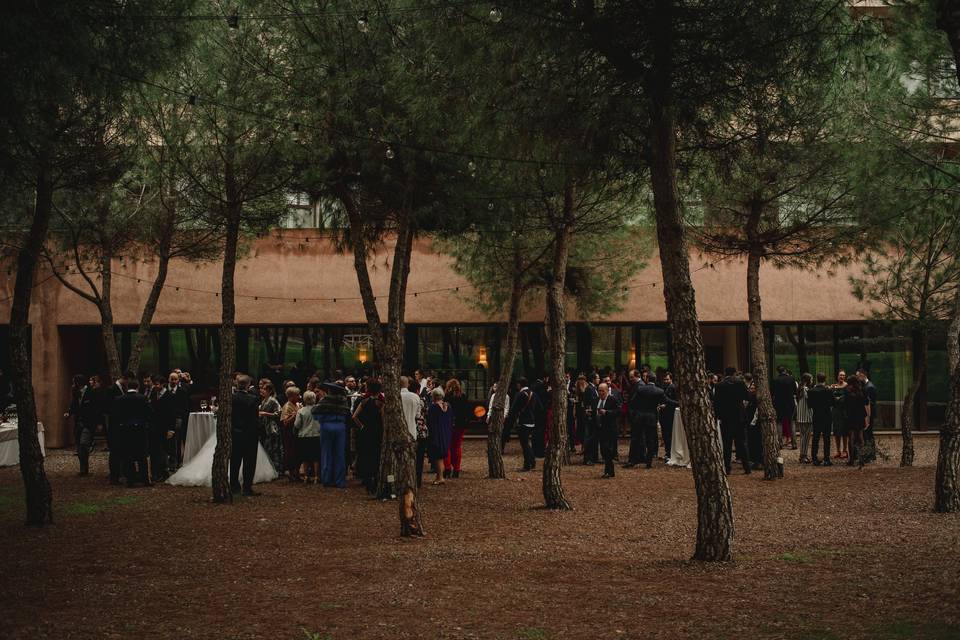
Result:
pixel 363 23
pixel 390 153
pixel 496 15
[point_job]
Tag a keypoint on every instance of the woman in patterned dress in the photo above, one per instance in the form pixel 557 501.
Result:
pixel 270 435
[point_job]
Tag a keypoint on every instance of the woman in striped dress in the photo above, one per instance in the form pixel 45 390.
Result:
pixel 804 417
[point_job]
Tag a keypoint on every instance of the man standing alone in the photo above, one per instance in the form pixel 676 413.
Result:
pixel 245 425
pixel 608 408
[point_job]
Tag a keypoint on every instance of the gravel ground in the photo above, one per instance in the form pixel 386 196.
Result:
pixel 824 553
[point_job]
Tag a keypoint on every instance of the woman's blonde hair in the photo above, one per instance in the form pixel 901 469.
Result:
pixel 309 398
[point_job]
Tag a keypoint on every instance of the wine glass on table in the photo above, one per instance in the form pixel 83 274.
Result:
pixel 203 405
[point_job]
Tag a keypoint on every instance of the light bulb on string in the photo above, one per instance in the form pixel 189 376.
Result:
pixel 363 23
pixel 490 206
pixel 390 153
pixel 496 15
pixel 472 166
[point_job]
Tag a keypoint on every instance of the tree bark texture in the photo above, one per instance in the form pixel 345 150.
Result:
pixel 146 317
pixel 766 416
pixel 228 337
pixel 947 482
pixel 907 411
pixel 498 411
pixel 553 494
pixel 715 527
pixel 37 489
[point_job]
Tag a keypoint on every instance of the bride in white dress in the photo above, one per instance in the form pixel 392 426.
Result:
pixel 198 472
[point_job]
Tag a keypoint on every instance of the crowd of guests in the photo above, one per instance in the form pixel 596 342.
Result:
pixel 320 429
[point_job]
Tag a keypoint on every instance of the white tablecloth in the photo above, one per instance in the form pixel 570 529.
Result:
pixel 200 426
pixel 679 451
pixel 10 448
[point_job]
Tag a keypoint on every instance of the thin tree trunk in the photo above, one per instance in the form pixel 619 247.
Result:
pixel 105 306
pixel 920 343
pixel 947 484
pixel 37 489
pixel 398 452
pixel 766 415
pixel 553 494
pixel 146 317
pixel 228 331
pixel 715 528
pixel 498 411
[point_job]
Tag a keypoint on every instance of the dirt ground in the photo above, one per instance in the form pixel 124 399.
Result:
pixel 825 553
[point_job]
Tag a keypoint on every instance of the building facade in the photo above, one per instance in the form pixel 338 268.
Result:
pixel 298 306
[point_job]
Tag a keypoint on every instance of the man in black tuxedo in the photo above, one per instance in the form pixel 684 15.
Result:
pixel 608 409
pixel 645 400
pixel 130 421
pixel 161 431
pixel 730 398
pixel 820 400
pixel 671 402
pixel 114 445
pixel 245 426
pixel 523 413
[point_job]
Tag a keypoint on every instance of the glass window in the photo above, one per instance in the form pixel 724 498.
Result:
pixel 611 346
pixel 804 348
pixel 653 349
pixel 460 352
pixel 197 350
pixel 887 357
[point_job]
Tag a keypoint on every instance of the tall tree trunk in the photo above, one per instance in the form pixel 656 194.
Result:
pixel 947 483
pixel 766 415
pixel 228 338
pixel 920 342
pixel 37 490
pixel 553 494
pixel 146 317
pixel 398 452
pixel 498 411
pixel 715 529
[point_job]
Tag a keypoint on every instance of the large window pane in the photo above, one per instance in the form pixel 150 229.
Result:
pixel 653 349
pixel 611 346
pixel 197 350
pixel 887 357
pixel 460 352
pixel 804 349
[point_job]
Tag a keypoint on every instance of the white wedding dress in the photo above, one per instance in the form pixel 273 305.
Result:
pixel 198 472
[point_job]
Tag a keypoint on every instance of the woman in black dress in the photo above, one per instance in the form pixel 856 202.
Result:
pixel 857 406
pixel 368 419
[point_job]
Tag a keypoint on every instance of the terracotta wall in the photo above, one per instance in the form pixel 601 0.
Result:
pixel 290 267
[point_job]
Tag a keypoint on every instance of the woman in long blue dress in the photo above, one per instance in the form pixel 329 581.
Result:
pixel 440 429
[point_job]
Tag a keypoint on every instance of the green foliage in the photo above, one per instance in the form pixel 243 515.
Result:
pixel 95 507
pixel 909 188
pixel 776 177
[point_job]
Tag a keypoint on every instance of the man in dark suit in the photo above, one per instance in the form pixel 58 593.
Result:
pixel 820 400
pixel 645 401
pixel 114 445
pixel 784 392
pixel 161 431
pixel 870 453
pixel 245 421
pixel 177 409
pixel 730 398
pixel 130 421
pixel 523 413
pixel 608 409
pixel 588 430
